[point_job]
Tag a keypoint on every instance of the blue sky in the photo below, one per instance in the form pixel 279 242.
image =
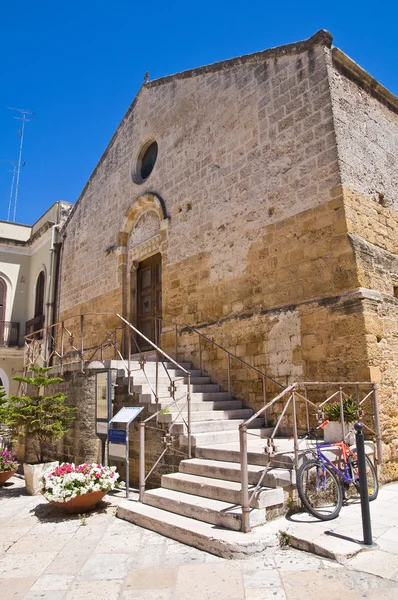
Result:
pixel 79 64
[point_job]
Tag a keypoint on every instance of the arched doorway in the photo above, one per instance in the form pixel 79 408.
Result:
pixel 142 242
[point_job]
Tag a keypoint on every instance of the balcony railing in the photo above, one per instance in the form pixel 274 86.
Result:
pixel 35 324
pixel 9 334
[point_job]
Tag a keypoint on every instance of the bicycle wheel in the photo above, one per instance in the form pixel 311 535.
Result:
pixel 371 477
pixel 319 490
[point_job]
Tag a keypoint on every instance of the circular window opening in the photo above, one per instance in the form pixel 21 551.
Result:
pixel 147 160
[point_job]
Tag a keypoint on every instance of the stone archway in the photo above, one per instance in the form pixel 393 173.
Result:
pixel 143 234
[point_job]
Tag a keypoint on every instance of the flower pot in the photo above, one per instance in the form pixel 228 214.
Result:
pixel 333 432
pixel 6 475
pixel 80 504
pixel 33 475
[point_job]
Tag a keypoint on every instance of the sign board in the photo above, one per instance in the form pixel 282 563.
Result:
pixel 117 436
pixel 118 439
pixel 126 415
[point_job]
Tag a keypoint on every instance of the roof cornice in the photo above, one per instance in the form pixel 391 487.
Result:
pixel 351 70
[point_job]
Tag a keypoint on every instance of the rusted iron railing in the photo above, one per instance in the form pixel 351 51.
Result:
pixel 291 397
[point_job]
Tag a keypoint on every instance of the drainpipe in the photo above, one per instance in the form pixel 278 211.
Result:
pixel 52 281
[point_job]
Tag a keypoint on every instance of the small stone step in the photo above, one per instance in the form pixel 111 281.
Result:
pixel 208 510
pixel 214 437
pixel 231 471
pixel 219 452
pixel 207 537
pixel 211 415
pixel 226 491
pixel 164 387
pixel 222 405
pixel 151 362
pixel 213 426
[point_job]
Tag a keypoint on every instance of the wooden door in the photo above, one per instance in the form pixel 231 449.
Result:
pixel 149 299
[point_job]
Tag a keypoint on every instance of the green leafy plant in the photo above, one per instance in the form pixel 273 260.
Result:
pixel 44 418
pixel 284 538
pixel 350 408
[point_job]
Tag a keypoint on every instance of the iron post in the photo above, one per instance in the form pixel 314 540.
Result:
pixel 363 485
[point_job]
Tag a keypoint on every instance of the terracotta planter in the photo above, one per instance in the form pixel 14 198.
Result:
pixel 33 475
pixel 80 504
pixel 5 476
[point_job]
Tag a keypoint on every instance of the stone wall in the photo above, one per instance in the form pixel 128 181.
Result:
pixel 366 124
pixel 262 247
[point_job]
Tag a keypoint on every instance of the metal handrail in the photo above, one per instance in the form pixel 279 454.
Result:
pixel 293 396
pixel 40 339
pixel 228 352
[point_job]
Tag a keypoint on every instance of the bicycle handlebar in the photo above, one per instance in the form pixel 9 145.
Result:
pixel 313 430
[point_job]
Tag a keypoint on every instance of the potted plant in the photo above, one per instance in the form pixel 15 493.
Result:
pixel 78 488
pixel 8 466
pixel 41 418
pixel 333 431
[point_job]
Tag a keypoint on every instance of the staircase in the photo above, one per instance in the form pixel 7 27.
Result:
pixel 202 501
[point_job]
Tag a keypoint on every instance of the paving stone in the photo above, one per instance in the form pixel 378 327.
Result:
pixel 117 542
pixel 376 562
pixel 153 558
pixel 144 579
pixel 310 586
pixel 181 554
pixel 286 560
pixel 24 565
pixel 147 595
pixel 91 590
pixel 39 543
pixel 15 589
pixel 207 582
pixel 261 578
pixel 14 532
pixel 265 594
pixel 106 566
pixel 49 595
pixel 53 581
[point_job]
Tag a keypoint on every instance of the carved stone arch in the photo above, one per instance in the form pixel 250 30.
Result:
pixel 143 233
pixel 149 201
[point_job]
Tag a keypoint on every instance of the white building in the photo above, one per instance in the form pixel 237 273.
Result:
pixel 29 257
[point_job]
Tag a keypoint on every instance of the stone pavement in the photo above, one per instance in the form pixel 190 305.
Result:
pixel 44 555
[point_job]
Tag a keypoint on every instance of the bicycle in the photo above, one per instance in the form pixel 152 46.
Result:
pixel 322 486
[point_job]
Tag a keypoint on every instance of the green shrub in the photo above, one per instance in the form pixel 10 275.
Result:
pixel 350 408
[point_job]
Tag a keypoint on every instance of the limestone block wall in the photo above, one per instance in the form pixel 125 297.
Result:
pixel 242 146
pixel 366 124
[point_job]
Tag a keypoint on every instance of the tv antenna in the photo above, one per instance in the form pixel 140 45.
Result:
pixel 16 173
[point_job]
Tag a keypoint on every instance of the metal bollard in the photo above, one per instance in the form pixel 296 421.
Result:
pixel 363 485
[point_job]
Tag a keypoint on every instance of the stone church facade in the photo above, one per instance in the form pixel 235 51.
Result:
pixel 258 200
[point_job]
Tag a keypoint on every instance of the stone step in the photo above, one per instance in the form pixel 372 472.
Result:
pixel 208 510
pixel 204 536
pixel 203 415
pixel 231 471
pixel 173 373
pixel 163 387
pixel 164 379
pixel 205 397
pixel 217 452
pixel 222 405
pixel 151 362
pixel 213 426
pixel 218 489
pixel 216 437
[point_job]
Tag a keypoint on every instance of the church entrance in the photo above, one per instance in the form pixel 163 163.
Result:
pixel 149 299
